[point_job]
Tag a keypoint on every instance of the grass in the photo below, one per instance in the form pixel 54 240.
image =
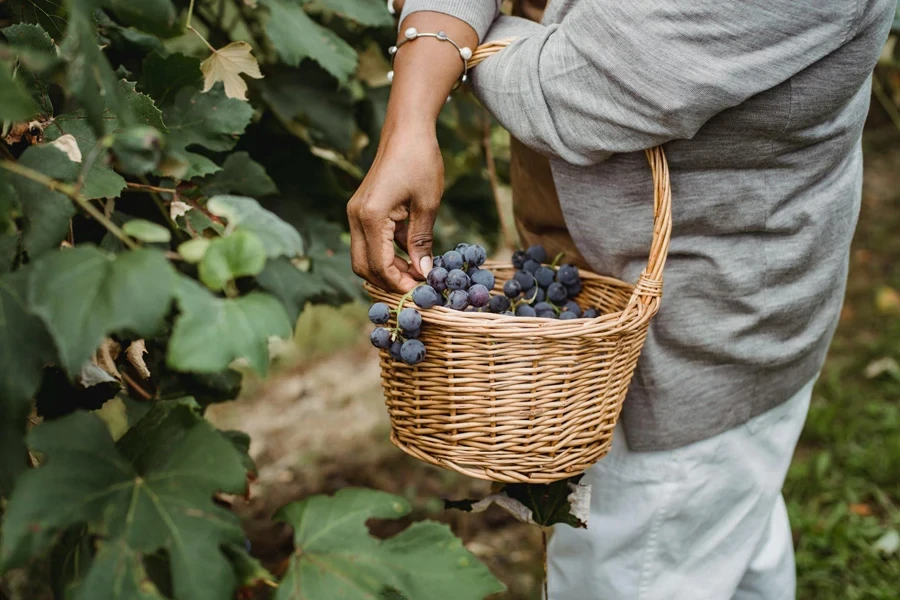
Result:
pixel 843 487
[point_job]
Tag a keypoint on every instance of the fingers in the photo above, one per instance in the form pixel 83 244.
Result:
pixel 420 232
pixel 372 232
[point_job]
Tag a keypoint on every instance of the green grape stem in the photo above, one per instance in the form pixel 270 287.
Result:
pixel 557 259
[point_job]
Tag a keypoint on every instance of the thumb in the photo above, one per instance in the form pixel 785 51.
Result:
pixel 420 233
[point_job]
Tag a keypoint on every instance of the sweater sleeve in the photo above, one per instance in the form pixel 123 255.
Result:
pixel 618 76
pixel 480 14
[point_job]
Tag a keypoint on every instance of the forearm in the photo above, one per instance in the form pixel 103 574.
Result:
pixel 425 70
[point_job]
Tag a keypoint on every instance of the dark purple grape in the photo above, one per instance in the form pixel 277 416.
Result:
pixel 437 278
pixel 461 247
pixel 537 254
pixel 425 296
pixel 475 255
pixel 483 277
pixel 523 310
pixel 479 295
pixel 458 280
pixel 499 304
pixel 591 313
pixel 566 315
pixel 545 276
pixel 531 266
pixel 395 349
pixel 525 280
pixel 471 270
pixel 518 259
pixel 567 274
pixel 574 289
pixel 438 261
pixel 409 319
pixel 381 338
pixel 379 313
pixel 453 260
pixel 410 335
pixel 458 300
pixel 540 294
pixel 412 352
pixel 512 289
pixel 539 306
pixel 507 312
pixel 557 293
pixel 573 307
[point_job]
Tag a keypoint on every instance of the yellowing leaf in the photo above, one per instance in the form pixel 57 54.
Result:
pixel 115 415
pixel 135 353
pixel 226 65
pixel 887 300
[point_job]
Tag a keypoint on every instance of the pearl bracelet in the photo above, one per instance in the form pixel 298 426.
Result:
pixel 412 34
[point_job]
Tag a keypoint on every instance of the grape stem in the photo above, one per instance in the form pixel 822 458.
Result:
pixel 557 259
pixel 395 331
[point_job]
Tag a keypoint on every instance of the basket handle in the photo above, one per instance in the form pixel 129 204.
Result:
pixel 648 288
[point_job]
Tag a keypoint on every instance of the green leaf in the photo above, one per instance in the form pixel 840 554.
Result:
pixel 84 294
pixel 16 104
pixel 138 150
pixel 245 214
pixel 311 107
pixel 163 76
pixel 150 491
pixel 46 212
pixel 296 36
pixel 47 13
pixel 124 36
pixel 212 332
pixel 147 231
pixel 90 77
pixel 156 16
pixel 194 250
pixel 238 255
pixel 251 574
pixel 101 181
pixel 240 174
pixel 33 39
pixel 210 120
pixel 364 12
pixel 293 287
pixel 336 557
pixel 9 208
pixel 25 347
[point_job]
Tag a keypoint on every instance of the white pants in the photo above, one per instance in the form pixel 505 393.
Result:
pixel 703 522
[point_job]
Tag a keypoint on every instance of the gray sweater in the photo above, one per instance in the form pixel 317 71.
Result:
pixel 760 105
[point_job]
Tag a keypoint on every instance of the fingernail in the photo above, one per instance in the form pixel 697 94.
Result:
pixel 425 265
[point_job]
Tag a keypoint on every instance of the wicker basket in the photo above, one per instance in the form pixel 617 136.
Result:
pixel 529 400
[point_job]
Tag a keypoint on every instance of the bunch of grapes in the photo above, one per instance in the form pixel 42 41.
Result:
pixel 457 281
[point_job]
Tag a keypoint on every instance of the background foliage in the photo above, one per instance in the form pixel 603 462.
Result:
pixel 147 260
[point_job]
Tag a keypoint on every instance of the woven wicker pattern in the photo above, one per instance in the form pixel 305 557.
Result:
pixel 529 400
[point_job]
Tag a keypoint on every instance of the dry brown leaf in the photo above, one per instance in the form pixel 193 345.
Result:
pixel 33 131
pixel 226 65
pixel 178 208
pixel 106 355
pixel 69 145
pixel 135 353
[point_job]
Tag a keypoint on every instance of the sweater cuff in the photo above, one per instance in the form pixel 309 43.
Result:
pixel 479 14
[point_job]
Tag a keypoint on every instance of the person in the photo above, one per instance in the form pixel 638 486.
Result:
pixel 759 106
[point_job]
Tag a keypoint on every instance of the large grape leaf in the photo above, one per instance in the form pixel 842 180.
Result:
pixel 364 12
pixel 152 490
pixel 210 120
pixel 33 38
pixel 336 557
pixel 156 16
pixel 25 347
pixel 101 181
pixel 163 76
pixel 84 294
pixel 245 214
pixel 295 36
pixel 240 174
pixel 212 332
pixel 46 212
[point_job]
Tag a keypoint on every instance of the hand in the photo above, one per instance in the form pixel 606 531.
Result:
pixel 405 182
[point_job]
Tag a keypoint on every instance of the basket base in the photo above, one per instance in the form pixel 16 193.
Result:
pixel 507 476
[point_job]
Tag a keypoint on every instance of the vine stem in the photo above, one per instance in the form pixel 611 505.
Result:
pixel 190 15
pixel 544 546
pixel 70 191
pixel 152 188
